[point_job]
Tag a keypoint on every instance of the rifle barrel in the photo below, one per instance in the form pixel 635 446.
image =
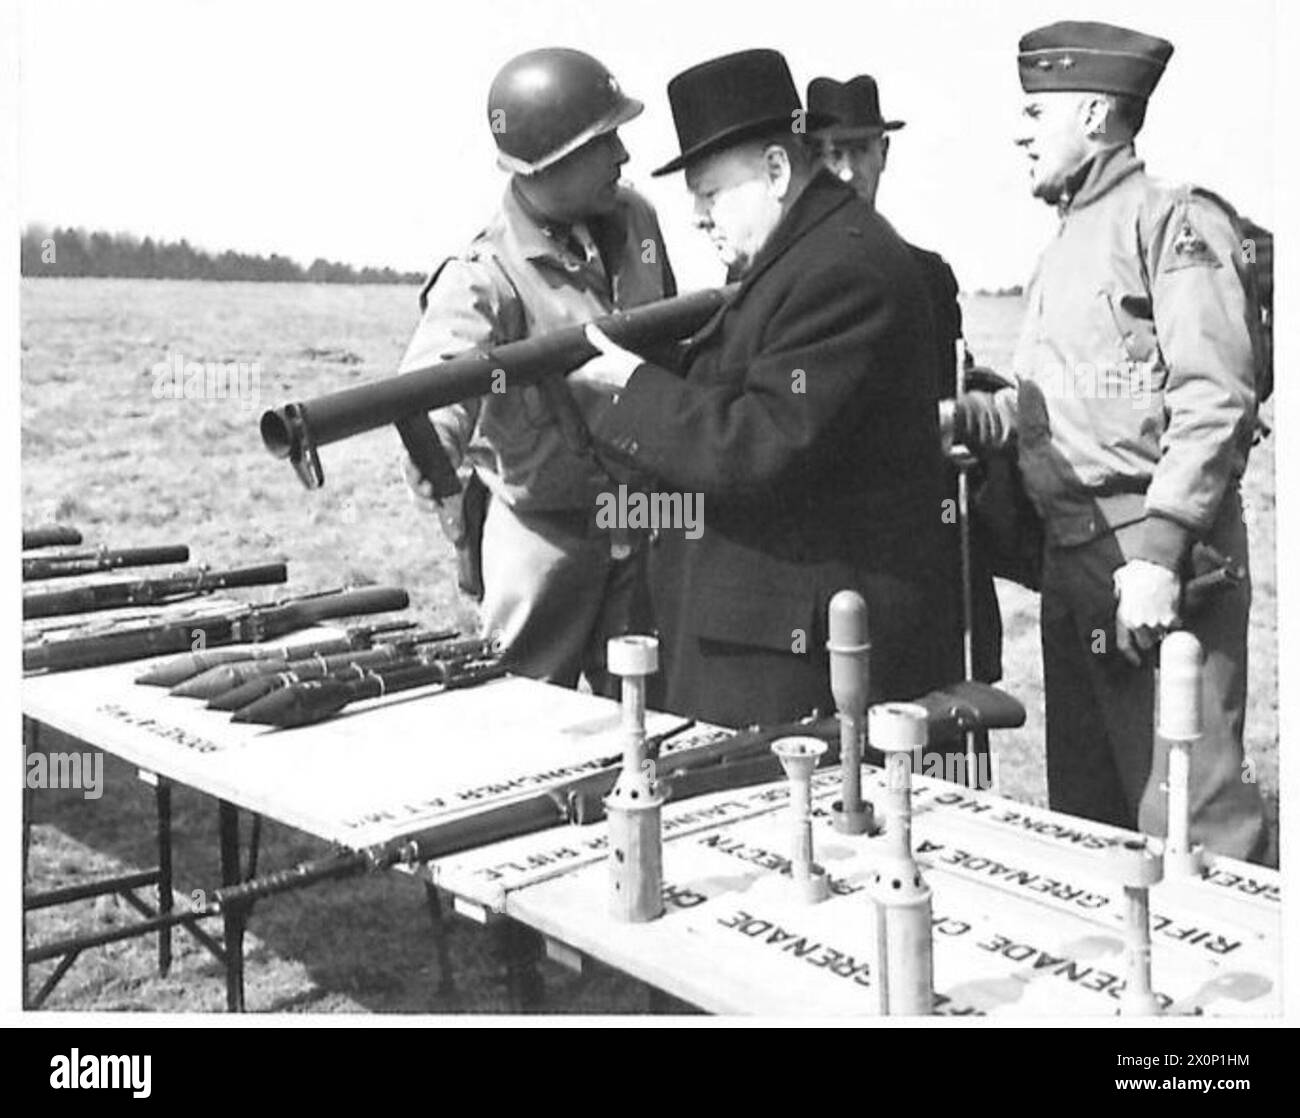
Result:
pixel 233 626
pixel 148 591
pixel 552 808
pixel 50 535
pixel 103 559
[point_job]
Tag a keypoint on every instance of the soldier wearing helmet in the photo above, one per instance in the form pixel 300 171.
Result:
pixel 569 243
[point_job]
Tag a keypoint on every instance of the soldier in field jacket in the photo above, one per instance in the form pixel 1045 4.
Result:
pixel 570 243
pixel 1134 411
pixel 806 417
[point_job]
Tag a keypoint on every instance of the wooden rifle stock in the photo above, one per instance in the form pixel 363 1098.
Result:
pixel 243 623
pixel 734 761
pixel 101 559
pixel 148 591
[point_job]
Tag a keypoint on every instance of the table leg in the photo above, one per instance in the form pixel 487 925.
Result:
pixel 254 847
pixel 31 743
pixel 234 918
pixel 521 949
pixel 163 802
pixel 441 934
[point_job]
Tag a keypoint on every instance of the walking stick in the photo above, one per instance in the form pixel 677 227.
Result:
pixel 964 460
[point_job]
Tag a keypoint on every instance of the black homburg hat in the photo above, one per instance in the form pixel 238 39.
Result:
pixel 853 106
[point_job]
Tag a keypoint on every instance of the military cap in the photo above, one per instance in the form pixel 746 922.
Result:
pixel 1092 58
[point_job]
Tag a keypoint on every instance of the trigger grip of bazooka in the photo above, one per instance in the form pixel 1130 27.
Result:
pixel 967 706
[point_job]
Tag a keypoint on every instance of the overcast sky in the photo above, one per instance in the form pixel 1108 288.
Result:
pixel 358 131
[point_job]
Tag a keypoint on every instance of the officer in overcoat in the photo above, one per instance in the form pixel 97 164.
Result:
pixel 855 147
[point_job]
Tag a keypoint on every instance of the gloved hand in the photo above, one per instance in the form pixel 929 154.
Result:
pixel 609 371
pixel 448 509
pixel 983 420
pixel 1148 606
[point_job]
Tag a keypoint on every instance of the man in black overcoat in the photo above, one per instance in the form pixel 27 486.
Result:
pixel 855 148
pixel 804 417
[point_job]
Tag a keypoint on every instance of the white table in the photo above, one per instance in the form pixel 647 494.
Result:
pixel 381 770
pixel 1025 921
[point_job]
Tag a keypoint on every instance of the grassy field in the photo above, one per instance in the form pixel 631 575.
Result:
pixel 102 451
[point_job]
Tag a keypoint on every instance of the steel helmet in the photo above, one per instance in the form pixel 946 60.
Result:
pixel 545 104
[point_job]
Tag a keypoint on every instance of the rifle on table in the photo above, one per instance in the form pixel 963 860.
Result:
pixel 149 591
pixel 295 431
pixel 539 812
pixel 50 535
pixel 732 760
pixel 237 624
pixel 744 758
pixel 101 559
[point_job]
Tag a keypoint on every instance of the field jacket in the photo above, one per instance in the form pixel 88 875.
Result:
pixel 520 278
pixel 1135 362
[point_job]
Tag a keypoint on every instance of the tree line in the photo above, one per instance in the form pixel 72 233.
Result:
pixel 76 252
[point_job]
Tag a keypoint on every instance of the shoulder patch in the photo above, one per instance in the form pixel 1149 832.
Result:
pixel 1189 249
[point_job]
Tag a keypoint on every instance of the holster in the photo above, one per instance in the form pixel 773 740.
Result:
pixel 1006 528
pixel 1207 574
pixel 469 552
